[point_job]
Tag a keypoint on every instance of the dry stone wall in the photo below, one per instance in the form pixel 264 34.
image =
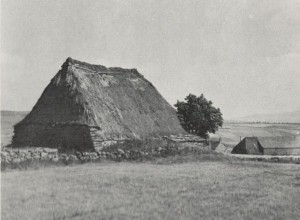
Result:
pixel 13 155
pixel 19 155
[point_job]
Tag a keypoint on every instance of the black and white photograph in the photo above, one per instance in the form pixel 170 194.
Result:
pixel 150 109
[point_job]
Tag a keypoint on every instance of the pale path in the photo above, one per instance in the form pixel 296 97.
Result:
pixel 268 158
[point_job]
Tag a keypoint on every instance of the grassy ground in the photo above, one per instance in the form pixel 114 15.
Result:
pixel 164 189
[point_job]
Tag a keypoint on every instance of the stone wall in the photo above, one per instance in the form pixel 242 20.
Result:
pixel 24 156
pixel 21 155
pixel 17 155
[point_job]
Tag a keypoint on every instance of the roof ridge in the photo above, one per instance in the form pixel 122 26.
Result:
pixel 94 67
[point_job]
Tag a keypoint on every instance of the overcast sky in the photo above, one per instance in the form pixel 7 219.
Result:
pixel 242 55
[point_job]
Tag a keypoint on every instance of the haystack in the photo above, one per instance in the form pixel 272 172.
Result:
pixel 249 145
pixel 85 105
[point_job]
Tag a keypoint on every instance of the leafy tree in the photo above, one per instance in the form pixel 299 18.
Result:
pixel 198 116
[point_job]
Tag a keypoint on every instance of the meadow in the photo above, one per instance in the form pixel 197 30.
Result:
pixel 202 186
pixel 167 188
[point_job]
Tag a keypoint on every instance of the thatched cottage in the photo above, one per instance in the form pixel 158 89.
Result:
pixel 249 145
pixel 85 105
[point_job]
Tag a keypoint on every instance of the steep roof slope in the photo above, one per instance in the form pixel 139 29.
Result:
pixel 120 102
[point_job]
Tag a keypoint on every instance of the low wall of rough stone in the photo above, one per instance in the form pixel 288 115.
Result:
pixel 13 156
pixel 19 155
pixel 52 155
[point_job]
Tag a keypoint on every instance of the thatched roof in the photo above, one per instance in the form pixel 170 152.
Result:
pixel 121 103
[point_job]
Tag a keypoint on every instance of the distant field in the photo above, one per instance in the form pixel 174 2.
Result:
pixel 191 190
pixel 8 120
pixel 270 135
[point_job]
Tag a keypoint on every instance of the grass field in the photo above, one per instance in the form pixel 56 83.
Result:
pixel 164 189
pixel 208 186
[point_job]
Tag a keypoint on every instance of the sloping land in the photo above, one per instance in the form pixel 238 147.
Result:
pixel 165 190
pixel 270 135
pixel 285 117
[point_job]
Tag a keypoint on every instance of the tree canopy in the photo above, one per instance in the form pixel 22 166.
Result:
pixel 198 116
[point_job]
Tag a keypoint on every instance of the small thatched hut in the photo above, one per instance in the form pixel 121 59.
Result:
pixel 85 105
pixel 249 145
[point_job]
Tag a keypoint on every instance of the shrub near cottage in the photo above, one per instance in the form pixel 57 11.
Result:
pixel 198 116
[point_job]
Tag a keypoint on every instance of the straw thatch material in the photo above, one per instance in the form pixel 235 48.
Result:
pixel 86 104
pixel 249 145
